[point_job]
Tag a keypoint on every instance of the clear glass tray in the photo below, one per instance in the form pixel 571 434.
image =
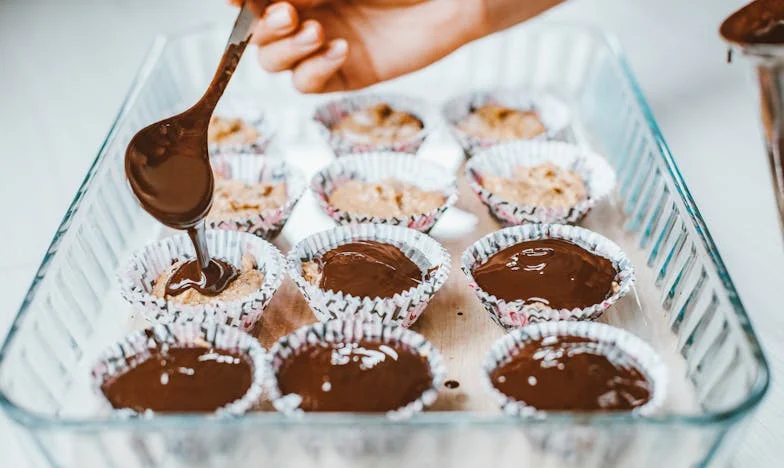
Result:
pixel 684 302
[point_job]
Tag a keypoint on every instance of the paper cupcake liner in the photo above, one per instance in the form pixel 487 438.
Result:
pixel 113 362
pixel 253 116
pixel 578 443
pixel 610 338
pixel 330 113
pixel 140 272
pixel 374 167
pixel 252 169
pixel 502 159
pixel 517 314
pixel 351 331
pixel 403 308
pixel 553 113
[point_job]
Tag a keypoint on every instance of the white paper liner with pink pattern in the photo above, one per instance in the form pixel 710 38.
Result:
pixel 330 113
pixel 517 314
pixel 403 308
pixel 376 167
pixel 501 160
pixel 351 331
pixel 553 112
pixel 235 108
pixel 113 361
pixel 611 339
pixel 138 274
pixel 251 169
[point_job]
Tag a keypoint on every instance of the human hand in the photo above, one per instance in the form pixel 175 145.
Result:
pixel 337 45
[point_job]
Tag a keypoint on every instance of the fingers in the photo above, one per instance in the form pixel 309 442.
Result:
pixel 318 73
pixel 285 53
pixel 279 20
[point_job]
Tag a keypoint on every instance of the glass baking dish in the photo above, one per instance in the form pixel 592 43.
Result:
pixel 684 304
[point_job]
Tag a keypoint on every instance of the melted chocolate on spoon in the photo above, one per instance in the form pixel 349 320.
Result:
pixel 572 373
pixel 364 377
pixel 554 272
pixel 168 167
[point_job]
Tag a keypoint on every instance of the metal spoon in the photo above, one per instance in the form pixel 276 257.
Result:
pixel 167 163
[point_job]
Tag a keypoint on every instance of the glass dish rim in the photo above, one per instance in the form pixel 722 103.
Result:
pixel 32 420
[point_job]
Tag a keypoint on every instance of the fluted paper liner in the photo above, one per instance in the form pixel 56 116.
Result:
pixel 352 331
pixel 140 272
pixel 376 167
pixel 403 308
pixel 113 362
pixel 331 112
pixel 553 112
pixel 517 314
pixel 501 160
pixel 232 109
pixel 611 339
pixel 251 169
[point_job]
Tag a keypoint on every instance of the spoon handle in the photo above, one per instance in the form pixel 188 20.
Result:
pixel 238 40
pixel 243 25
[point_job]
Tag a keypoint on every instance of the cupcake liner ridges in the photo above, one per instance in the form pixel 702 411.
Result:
pixel 403 308
pixel 609 337
pixel 137 276
pixel 253 116
pixel 114 360
pixel 331 112
pixel 553 112
pixel 251 169
pixel 502 159
pixel 374 167
pixel 517 313
pixel 346 331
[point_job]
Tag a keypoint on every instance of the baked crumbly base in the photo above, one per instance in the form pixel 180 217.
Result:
pixel 496 122
pixel 378 124
pixel 234 198
pixel 386 199
pixel 231 131
pixel 545 185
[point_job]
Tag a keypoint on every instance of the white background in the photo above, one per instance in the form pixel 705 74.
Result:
pixel 65 66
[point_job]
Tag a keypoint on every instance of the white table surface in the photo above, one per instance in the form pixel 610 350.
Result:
pixel 66 65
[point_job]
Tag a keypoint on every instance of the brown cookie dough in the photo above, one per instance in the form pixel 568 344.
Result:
pixel 544 185
pixel 234 198
pixel 249 281
pixel 231 131
pixel 496 122
pixel 386 199
pixel 378 124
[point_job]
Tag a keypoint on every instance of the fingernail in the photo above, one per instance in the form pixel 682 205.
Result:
pixel 308 35
pixel 278 17
pixel 337 50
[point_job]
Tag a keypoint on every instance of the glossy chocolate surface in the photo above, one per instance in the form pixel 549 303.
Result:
pixel 180 380
pixel 361 377
pixel 572 373
pixel 554 272
pixel 209 281
pixel 368 269
pixel 760 22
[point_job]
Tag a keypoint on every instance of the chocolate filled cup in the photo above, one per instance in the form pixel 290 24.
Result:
pixel 551 112
pixel 241 305
pixel 546 272
pixel 539 181
pixel 253 194
pixel 354 366
pixel 182 368
pixel 574 367
pixel 396 273
pixel 332 114
pixel 388 188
